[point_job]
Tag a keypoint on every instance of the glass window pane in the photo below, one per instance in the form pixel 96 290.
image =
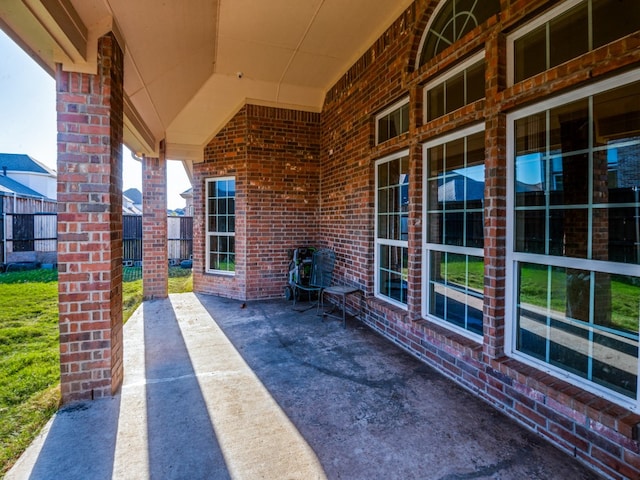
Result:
pixel 394 172
pixel 383 174
pixel 569 127
pixel 394 124
pixel 475 82
pixel 435 157
pixel 454 93
pixel 436 228
pixel 383 129
pixel 455 154
pixel 530 231
pixel 530 54
pixel 569 35
pixel 222 206
pixel 530 180
pixel 614 19
pixel 616 115
pixel 531 135
pixel 474 230
pixel 622 234
pixel 404 118
pixel 435 102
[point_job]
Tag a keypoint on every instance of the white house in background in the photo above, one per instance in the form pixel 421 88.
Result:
pixel 188 196
pixel 29 173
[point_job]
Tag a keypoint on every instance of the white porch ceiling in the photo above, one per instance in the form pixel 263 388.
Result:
pixel 182 57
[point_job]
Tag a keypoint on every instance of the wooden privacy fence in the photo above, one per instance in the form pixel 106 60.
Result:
pixel 33 238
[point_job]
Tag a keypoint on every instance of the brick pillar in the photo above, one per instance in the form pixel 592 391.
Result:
pixel 495 201
pixel 90 126
pixel 155 270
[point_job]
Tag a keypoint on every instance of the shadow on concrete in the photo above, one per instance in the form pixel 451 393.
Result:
pixel 370 410
pixel 80 442
pixel 181 440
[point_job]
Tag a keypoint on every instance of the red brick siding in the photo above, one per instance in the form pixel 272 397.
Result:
pixel 226 155
pixel 597 430
pixel 155 274
pixel 273 153
pixel 90 126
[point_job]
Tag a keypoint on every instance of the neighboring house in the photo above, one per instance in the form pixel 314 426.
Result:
pixel 129 206
pixel 31 173
pixel 132 198
pixel 188 196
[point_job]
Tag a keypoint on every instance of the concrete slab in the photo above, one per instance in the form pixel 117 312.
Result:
pixel 265 391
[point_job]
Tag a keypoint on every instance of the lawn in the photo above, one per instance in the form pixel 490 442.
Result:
pixel 29 358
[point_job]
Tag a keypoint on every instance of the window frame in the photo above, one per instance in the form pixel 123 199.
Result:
pixel 460 67
pixel 425 33
pixel 514 258
pixel 387 112
pixel 428 247
pixel 529 27
pixel 385 241
pixel 209 234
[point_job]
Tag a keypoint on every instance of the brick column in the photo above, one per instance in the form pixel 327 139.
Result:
pixel 90 129
pixel 155 270
pixel 495 201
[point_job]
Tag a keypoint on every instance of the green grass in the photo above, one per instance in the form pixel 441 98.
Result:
pixel 29 350
pixel 29 358
pixel 625 296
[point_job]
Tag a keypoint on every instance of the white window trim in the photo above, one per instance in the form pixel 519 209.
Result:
pixel 379 241
pixel 446 76
pixel 209 234
pixel 425 32
pixel 532 25
pixel 513 257
pixel 428 247
pixel 396 106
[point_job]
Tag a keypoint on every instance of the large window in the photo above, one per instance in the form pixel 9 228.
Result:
pixel 461 86
pixel 452 21
pixel 221 216
pixel 574 208
pixel 454 204
pixel 393 121
pixel 392 228
pixel 568 31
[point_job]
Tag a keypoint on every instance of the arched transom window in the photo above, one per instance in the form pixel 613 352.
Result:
pixel 451 21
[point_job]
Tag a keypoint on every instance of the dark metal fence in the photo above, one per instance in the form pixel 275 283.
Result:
pixel 33 238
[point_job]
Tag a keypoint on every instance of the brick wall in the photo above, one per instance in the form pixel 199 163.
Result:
pixel 596 431
pixel 273 154
pixel 155 276
pixel 90 126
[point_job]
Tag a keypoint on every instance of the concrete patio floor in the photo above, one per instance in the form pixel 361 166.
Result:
pixel 218 389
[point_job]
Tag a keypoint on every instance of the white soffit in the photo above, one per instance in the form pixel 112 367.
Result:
pixel 290 52
pixel 182 56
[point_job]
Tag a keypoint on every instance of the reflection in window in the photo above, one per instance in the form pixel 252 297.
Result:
pixel 455 229
pixel 392 228
pixel 577 178
pixel 456 285
pixel 572 32
pixel 559 325
pixel 455 189
pixel 576 190
pixel 220 214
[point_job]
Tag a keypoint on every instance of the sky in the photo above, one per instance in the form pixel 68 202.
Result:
pixel 28 120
